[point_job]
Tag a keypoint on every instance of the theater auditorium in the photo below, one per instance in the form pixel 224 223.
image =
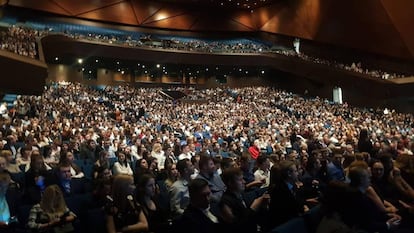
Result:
pixel 205 116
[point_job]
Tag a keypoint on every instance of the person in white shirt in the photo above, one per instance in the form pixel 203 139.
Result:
pixel 263 173
pixel 122 167
pixel 159 154
pixel 185 153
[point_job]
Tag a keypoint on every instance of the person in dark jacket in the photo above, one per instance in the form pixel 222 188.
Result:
pixel 236 215
pixel 197 217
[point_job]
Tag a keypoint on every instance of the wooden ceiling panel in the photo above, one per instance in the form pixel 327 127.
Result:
pixel 402 17
pixel 112 13
pixel 77 7
pixel 41 5
pixel 217 23
pixel 360 24
pixel 182 22
pixel 165 13
pixel 145 9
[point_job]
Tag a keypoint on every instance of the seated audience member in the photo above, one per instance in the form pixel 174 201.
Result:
pixel 63 178
pixel 335 169
pixel 121 167
pixel 68 157
pixel 227 163
pixel 159 154
pixel 101 189
pixel 24 157
pixel 103 161
pixel 147 198
pixel 185 152
pixel 197 217
pixel 286 201
pixel 35 179
pixel 123 213
pixel 207 172
pixel 405 162
pixel 9 166
pixel 392 175
pixel 312 183
pixel 387 192
pixel 9 201
pixel 361 211
pixel 262 173
pixel 235 214
pixel 51 214
pixel 141 167
pixel 172 175
pixel 36 154
pixel 179 196
pixel 248 175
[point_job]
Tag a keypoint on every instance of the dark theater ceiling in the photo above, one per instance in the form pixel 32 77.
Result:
pixel 379 26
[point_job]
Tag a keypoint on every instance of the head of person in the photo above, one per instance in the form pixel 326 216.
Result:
pixel 3 164
pixel 67 157
pixel 122 187
pixel 157 147
pixel 121 157
pixel 185 168
pixel 26 151
pixel 63 170
pixel 146 186
pixel 263 162
pixel 286 172
pixel 200 193
pixel 359 177
pixel 53 202
pixel 387 162
pixel 233 179
pixel 377 170
pixel 104 173
pixel 337 159
pixel 227 163
pixel 244 161
pixel 37 162
pixel 7 155
pixel 142 164
pixel 206 165
pixel 172 172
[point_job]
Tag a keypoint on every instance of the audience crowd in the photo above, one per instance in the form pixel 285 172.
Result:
pixel 251 159
pixel 22 40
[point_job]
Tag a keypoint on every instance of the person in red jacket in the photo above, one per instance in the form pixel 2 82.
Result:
pixel 254 150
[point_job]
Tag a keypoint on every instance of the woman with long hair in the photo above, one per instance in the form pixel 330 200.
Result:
pixel 122 167
pixel 35 179
pixel 51 214
pixel 146 196
pixel 123 213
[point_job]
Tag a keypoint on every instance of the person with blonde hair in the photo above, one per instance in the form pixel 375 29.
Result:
pixel 8 157
pixel 51 214
pixel 159 154
pixel 123 213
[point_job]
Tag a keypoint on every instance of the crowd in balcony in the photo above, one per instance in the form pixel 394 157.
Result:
pixel 202 166
pixel 22 40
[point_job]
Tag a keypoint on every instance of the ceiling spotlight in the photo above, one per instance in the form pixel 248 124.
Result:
pixel 80 60
pixel 158 65
pixel 96 60
pixel 56 58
